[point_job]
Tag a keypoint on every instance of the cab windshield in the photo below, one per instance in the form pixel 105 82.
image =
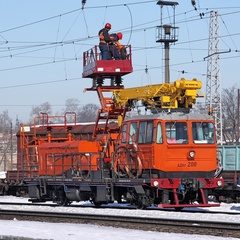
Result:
pixel 203 132
pixel 176 132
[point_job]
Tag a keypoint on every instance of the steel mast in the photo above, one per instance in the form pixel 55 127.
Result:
pixel 167 33
pixel 213 83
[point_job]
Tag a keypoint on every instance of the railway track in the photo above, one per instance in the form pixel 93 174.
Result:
pixel 224 229
pixel 119 206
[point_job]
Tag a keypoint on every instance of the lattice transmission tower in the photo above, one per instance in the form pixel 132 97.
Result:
pixel 213 83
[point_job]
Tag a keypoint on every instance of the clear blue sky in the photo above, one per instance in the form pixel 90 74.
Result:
pixel 41 46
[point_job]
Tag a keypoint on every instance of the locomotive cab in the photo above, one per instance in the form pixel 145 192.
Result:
pixel 170 145
pixel 176 151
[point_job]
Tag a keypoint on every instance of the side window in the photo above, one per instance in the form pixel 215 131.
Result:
pixel 142 127
pixel 124 133
pixel 159 133
pixel 170 132
pixel 133 132
pixel 203 132
pixel 145 134
pixel 149 132
pixel 182 132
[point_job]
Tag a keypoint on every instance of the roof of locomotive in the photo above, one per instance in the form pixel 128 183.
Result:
pixel 78 128
pixel 164 115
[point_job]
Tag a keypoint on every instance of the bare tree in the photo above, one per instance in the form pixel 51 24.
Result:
pixel 5 122
pixel 230 111
pixel 6 141
pixel 38 110
pixel 88 113
pixel 71 105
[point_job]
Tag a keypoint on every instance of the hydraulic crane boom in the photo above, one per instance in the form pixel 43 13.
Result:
pixel 180 94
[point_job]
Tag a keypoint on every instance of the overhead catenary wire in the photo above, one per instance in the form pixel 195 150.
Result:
pixel 189 44
pixel 40 53
pixel 40 83
pixel 179 22
pixel 131 23
pixel 78 78
pixel 228 33
pixel 137 49
pixel 93 37
pixel 146 72
pixel 57 38
pixel 75 42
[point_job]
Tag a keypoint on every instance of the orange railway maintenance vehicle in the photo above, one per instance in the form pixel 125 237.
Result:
pixel 167 158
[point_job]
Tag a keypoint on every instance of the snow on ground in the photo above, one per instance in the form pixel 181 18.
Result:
pixel 57 231
pixel 133 212
pixel 62 231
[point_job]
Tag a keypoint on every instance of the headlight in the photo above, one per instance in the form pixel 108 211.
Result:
pixel 191 154
pixel 155 183
pixel 219 183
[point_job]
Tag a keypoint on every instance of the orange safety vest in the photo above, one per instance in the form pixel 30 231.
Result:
pixel 118 45
pixel 104 39
pixel 116 42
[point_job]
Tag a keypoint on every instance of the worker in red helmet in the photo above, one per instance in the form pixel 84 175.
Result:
pixel 119 36
pixel 105 41
pixel 108 25
pixel 120 48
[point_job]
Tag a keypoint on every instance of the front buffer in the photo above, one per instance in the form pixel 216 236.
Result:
pixel 185 192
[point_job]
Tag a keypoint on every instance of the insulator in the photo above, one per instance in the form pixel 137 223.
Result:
pixel 83 3
pixel 100 81
pixel 118 80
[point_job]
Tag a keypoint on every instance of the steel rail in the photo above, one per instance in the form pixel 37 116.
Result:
pixel 203 211
pixel 226 229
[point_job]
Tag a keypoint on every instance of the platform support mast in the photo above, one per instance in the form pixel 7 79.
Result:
pixel 213 83
pixel 167 33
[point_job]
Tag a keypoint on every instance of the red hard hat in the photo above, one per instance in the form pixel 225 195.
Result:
pixel 108 25
pixel 119 36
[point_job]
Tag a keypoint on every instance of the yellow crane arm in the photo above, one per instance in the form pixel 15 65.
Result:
pixel 180 94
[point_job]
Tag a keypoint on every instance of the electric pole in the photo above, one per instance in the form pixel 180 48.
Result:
pixel 167 33
pixel 213 83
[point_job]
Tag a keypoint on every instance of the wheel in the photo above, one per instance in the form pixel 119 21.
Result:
pixel 64 201
pixel 141 206
pixel 143 202
pixel 178 208
pixel 97 204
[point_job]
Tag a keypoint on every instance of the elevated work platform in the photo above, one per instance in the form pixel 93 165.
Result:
pixel 94 67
